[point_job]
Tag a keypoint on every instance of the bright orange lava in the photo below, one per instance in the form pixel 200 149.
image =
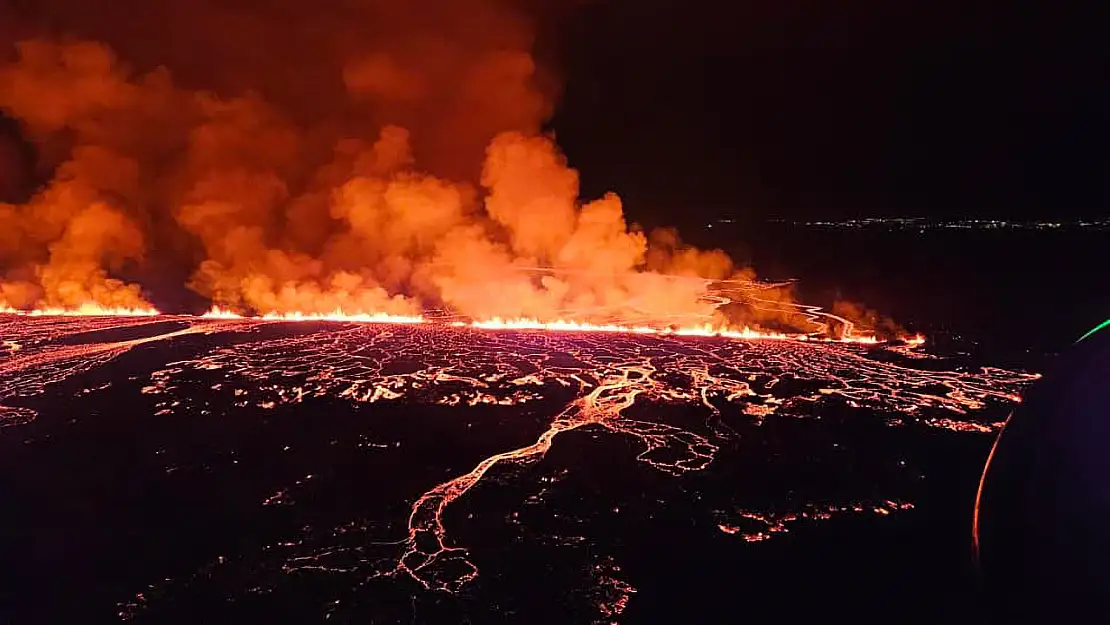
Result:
pixel 559 325
pixel 336 315
pixel 496 323
pixel 562 325
pixel 84 310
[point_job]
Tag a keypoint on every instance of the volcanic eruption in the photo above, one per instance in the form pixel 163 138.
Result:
pixel 393 165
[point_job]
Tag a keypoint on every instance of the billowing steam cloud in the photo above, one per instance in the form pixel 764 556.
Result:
pixel 365 156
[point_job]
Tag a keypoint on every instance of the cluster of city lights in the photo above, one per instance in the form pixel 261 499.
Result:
pixel 924 223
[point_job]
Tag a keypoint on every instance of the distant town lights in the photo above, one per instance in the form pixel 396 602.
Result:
pixel 921 224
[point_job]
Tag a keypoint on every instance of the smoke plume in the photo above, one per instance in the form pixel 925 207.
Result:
pixel 366 156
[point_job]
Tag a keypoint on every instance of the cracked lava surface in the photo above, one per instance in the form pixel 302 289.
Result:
pixel 677 404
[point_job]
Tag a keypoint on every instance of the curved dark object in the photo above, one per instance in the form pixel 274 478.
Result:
pixel 1042 517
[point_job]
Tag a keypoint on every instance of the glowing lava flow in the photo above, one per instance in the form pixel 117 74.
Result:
pixel 767 525
pixel 336 315
pixel 559 325
pixel 84 310
pixel 813 315
pixel 39 361
pixel 437 566
pixel 579 326
pixel 679 397
pixel 614 382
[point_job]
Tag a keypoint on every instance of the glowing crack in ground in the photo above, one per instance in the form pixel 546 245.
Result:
pixel 40 356
pixel 605 375
pixel 609 382
pixel 754 526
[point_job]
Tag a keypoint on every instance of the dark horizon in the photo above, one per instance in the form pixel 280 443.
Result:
pixel 806 110
pixel 801 111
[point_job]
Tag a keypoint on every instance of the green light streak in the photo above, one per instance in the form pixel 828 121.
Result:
pixel 1100 326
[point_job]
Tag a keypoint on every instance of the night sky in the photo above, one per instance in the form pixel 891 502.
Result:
pixel 813 108
pixel 808 108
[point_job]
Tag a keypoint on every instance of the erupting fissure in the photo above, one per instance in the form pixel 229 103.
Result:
pixel 378 216
pixel 87 309
pixel 559 325
pixel 390 170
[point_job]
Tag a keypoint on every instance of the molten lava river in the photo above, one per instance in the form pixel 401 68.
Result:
pixel 222 469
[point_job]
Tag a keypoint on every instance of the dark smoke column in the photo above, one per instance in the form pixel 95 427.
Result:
pixel 1043 516
pixel 12 166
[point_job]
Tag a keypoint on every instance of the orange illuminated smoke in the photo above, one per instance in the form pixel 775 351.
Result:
pixel 298 220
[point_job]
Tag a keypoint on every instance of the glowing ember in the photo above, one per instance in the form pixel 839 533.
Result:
pixel 764 526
